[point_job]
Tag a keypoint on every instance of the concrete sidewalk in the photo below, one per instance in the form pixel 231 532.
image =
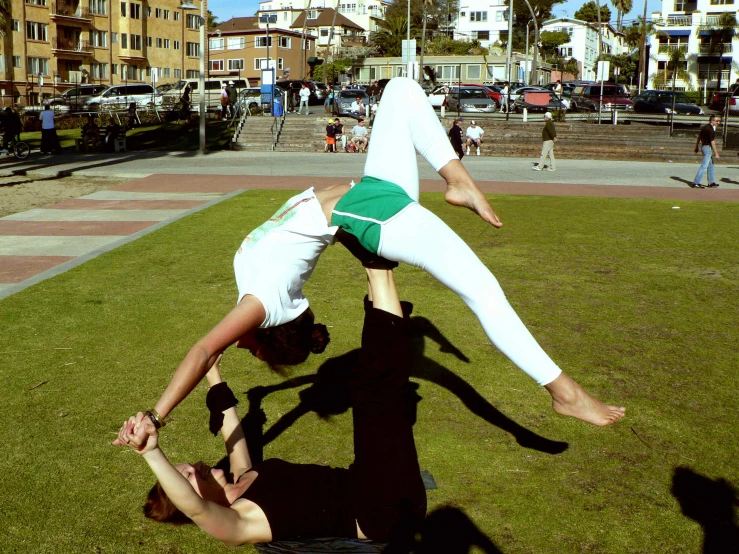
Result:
pixel 350 166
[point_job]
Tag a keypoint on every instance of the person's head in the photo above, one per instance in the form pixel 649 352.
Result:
pixel 47 107
pixel 304 85
pixel 359 99
pixel 473 124
pixel 8 111
pixel 559 82
pixel 360 122
pixel 231 83
pixel 458 121
pixel 337 121
pixel 548 116
pixel 289 343
pixel 714 119
pixel 90 118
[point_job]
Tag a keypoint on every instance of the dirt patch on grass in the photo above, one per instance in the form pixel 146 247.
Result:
pixel 18 194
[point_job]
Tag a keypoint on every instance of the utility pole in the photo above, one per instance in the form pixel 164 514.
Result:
pixel 328 47
pixel 642 50
pixel 305 25
pixel 423 42
pixel 509 46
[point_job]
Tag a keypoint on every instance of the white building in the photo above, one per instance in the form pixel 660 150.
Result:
pixel 679 25
pixel 483 20
pixel 583 45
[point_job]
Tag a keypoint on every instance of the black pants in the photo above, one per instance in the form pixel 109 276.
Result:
pixel 49 141
pixel 388 493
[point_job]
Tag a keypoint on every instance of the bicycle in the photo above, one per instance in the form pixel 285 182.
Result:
pixel 18 147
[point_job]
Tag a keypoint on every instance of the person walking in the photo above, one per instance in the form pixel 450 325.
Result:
pixel 504 98
pixel 549 137
pixel 132 116
pixel 49 139
pixel 329 100
pixel 455 137
pixel 474 136
pixel 231 91
pixel 707 143
pixel 224 102
pixel 304 97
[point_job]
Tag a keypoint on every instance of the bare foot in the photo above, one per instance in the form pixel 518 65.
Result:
pixel 570 399
pixel 462 191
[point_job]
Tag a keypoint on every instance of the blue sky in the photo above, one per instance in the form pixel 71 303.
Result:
pixel 226 9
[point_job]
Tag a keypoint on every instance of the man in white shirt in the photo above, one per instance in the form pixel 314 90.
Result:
pixel 359 110
pixel 504 98
pixel 474 136
pixel 304 97
pixel 49 139
pixel 360 138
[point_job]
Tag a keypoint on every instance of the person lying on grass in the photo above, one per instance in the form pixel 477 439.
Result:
pixel 273 319
pixel 381 496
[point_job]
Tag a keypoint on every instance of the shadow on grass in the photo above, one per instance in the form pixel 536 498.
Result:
pixel 329 395
pixel 712 504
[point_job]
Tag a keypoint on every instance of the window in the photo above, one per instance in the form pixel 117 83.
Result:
pixel 177 45
pixel 192 21
pixel 114 69
pixel 260 63
pixel 191 74
pixel 284 42
pixel 160 42
pixel 36 31
pixel 135 42
pixel 166 43
pixel 38 65
pixel 16 25
pixel 192 49
pixel 99 39
pixel 99 7
pixel 17 61
pixel 216 65
pixel 347 8
pixel 148 11
pixel 177 18
pixel 280 63
pixel 135 10
pixel 114 38
pixel 307 45
pixel 261 42
pixel 236 65
pixel 36 2
pixel 237 43
pixel 123 9
pixel 478 16
pixel 217 43
pixel 447 72
pixel 324 32
pixel 482 35
pixel 721 2
pixel 124 40
pixel 149 41
pixel 166 14
pixel 473 72
pixel 500 17
pixel 158 13
pixel 99 70
pixel 312 14
pixel 166 72
pixel 177 72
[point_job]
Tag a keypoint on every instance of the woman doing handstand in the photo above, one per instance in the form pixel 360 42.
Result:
pixel 381 496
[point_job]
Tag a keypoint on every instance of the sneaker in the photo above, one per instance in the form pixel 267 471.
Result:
pixel 536 168
pixel 478 151
pixel 697 186
pixel 468 150
pixel 551 169
pixel 713 185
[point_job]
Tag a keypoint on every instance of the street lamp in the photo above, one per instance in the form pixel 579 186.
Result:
pixel 188 5
pixel 271 18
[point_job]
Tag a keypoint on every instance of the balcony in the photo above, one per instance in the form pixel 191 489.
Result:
pixel 668 48
pixel 72 46
pixel 712 75
pixel 706 50
pixel 678 21
pixel 70 12
pixel 353 41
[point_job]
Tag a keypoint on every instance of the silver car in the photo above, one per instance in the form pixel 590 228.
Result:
pixel 471 100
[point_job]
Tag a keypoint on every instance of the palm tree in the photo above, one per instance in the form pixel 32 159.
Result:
pixel 720 31
pixel 389 39
pixel 674 68
pixel 622 7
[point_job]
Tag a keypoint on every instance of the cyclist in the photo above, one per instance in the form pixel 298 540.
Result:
pixel 12 127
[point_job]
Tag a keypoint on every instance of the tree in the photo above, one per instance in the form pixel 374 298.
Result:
pixel 572 66
pixel 550 41
pixel 388 40
pixel 440 14
pixel 212 21
pixel 332 70
pixel 589 12
pixel 445 46
pixel 675 68
pixel 542 10
pixel 622 7
pixel 720 30
pixel 627 64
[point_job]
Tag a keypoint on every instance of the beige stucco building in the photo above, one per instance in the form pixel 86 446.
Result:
pixel 95 41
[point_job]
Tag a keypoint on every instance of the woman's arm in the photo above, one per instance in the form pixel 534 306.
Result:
pixel 382 291
pixel 233 433
pixel 225 524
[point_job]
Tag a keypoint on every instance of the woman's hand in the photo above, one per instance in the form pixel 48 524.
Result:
pixel 138 433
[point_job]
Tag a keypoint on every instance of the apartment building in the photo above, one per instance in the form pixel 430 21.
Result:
pixel 583 44
pixel 684 24
pixel 483 20
pixel 239 48
pixel 53 45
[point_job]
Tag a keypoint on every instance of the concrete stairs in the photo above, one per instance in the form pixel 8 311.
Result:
pixel 255 135
pixel 303 133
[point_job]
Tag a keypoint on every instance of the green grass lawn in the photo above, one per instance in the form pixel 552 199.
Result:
pixel 634 299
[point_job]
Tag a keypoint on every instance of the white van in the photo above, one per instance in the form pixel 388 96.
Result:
pixel 121 96
pixel 212 91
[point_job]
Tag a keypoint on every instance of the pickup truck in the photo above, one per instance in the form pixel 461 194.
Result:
pixel 587 98
pixel 718 101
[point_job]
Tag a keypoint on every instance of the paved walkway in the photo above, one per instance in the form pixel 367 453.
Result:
pixel 44 242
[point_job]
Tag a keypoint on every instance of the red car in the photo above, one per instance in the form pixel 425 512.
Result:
pixel 491 90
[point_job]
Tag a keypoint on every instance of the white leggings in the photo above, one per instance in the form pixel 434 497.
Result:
pixel 405 122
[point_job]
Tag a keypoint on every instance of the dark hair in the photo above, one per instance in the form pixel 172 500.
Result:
pixel 160 508
pixel 291 343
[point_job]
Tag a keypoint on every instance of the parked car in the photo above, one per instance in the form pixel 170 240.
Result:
pixel 553 102
pixel 471 100
pixel 437 97
pixel 492 91
pixel 295 85
pixel 718 101
pixel 588 98
pixel 251 99
pixel 516 92
pixel 75 98
pixel 660 101
pixel 120 96
pixel 212 91
pixel 321 91
pixel 342 104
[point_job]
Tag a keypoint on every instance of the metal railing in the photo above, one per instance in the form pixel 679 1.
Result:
pixel 707 49
pixel 70 10
pixel 676 21
pixel 278 121
pixel 71 45
pixel 667 48
pixel 713 75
